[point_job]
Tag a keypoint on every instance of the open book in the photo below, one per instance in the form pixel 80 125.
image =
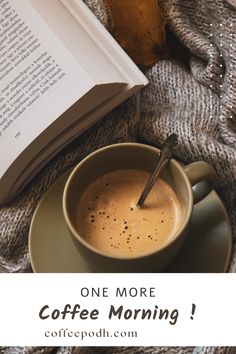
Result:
pixel 60 71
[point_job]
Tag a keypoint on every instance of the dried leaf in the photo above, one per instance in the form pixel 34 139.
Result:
pixel 139 28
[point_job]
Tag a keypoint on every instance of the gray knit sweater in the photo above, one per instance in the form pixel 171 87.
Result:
pixel 196 98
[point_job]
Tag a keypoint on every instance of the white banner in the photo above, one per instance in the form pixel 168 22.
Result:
pixel 117 309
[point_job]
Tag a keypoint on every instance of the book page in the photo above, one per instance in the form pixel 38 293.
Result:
pixel 39 78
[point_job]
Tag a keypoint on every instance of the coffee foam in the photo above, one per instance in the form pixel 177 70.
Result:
pixel 108 219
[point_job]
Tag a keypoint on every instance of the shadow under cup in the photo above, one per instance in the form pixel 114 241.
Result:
pixel 126 156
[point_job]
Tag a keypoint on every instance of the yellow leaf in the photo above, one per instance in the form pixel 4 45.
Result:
pixel 139 28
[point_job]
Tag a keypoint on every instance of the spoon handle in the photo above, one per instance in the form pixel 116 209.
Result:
pixel 166 152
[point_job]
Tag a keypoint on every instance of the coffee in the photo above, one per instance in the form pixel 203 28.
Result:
pixel 108 219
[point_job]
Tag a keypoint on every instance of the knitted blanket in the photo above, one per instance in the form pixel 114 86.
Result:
pixel 193 95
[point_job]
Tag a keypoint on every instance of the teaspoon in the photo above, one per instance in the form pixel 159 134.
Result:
pixel 166 152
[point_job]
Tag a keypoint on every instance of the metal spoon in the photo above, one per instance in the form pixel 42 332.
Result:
pixel 166 152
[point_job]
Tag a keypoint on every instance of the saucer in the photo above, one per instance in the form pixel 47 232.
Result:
pixel 207 248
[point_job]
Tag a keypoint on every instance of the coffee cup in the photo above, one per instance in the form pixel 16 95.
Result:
pixel 190 184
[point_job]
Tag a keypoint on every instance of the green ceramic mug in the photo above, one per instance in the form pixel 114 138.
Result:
pixel 139 156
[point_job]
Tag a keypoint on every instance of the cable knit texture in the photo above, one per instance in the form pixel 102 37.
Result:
pixel 195 98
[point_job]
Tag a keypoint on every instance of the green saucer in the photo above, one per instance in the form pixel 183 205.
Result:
pixel 207 248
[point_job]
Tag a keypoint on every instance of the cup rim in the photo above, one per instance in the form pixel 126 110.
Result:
pixel 79 238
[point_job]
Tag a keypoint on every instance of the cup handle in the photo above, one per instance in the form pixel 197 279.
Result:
pixel 201 175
